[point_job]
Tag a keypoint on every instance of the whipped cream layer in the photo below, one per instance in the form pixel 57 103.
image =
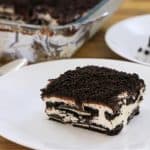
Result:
pixel 8 12
pixel 65 112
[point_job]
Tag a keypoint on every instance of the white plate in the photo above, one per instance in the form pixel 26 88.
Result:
pixel 126 37
pixel 22 117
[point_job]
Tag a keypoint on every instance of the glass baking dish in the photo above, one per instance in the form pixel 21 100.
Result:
pixel 42 43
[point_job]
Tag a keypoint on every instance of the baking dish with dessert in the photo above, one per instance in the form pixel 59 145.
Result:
pixel 42 30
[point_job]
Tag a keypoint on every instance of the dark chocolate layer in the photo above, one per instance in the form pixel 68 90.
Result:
pixel 64 11
pixel 94 84
pixel 113 132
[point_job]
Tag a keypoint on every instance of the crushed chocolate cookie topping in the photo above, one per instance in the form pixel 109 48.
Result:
pixel 93 84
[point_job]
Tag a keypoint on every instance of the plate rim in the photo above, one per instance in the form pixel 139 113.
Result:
pixel 82 59
pixel 29 145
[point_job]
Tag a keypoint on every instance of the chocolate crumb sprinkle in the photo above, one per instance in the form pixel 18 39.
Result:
pixel 93 83
pixel 147 52
pixel 140 50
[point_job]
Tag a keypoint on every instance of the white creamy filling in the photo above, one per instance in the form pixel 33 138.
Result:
pixel 8 10
pixel 122 118
pixel 66 45
pixel 101 119
pixel 98 128
pixel 48 18
pixel 125 111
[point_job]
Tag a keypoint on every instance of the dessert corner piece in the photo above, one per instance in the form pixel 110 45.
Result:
pixel 96 98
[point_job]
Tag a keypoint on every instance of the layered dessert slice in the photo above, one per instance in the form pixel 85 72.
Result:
pixel 45 11
pixel 95 98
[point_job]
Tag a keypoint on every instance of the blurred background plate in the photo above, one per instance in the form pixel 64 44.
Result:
pixel 130 39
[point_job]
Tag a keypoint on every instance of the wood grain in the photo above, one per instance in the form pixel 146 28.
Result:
pixel 96 47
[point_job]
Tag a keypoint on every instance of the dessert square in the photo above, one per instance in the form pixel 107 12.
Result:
pixel 95 98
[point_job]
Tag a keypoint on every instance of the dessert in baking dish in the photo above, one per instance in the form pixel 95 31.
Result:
pixel 45 11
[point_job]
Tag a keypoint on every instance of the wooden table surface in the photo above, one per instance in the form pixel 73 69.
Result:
pixel 96 47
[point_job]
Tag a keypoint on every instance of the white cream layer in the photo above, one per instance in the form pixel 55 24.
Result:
pixel 125 111
pixel 8 10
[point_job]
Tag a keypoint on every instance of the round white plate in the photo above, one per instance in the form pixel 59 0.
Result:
pixel 126 37
pixel 22 117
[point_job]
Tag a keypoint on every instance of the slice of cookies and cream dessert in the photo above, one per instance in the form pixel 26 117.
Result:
pixel 96 98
